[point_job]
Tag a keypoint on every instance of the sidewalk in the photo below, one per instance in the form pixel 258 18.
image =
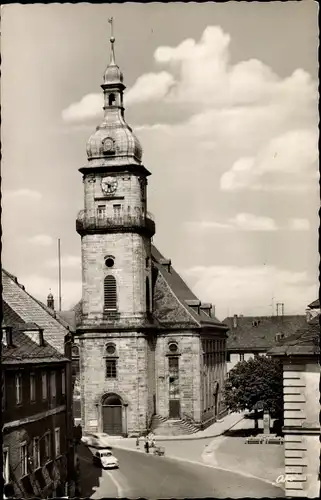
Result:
pixel 186 447
pixel 265 461
pixel 212 431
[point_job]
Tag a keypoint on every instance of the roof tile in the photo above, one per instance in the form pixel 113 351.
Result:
pixel 31 310
pixel 259 332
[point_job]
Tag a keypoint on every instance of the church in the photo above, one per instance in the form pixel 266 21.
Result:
pixel 151 354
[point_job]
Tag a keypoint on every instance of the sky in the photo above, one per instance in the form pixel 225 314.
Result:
pixel 223 98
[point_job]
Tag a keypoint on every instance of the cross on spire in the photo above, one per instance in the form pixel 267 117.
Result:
pixel 112 40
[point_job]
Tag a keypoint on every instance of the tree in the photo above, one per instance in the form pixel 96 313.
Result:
pixel 253 384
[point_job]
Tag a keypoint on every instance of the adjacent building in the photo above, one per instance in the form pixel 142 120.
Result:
pixel 148 348
pixel 300 354
pixel 38 445
pixel 251 336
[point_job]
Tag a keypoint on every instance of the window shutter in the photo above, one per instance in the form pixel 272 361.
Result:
pixel 110 293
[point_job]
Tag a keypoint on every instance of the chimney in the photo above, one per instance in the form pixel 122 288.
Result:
pixel 166 263
pixel 207 308
pixel 50 301
pixel 235 321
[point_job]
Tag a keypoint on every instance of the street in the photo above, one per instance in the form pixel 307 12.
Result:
pixel 148 476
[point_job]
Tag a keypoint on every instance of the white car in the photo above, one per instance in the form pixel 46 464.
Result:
pixel 96 440
pixel 105 459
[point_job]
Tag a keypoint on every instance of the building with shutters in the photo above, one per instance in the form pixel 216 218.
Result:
pixel 37 427
pixel 150 353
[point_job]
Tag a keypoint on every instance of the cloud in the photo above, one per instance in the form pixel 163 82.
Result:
pixel 67 261
pixel 250 222
pixel 21 193
pixel 148 87
pixel 249 290
pixel 258 129
pixel 39 287
pixel 279 165
pixel 207 76
pixel 242 222
pixel 299 224
pixel 43 240
pixel 90 106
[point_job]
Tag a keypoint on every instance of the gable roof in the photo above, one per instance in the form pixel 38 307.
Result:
pixel 315 304
pixel 32 310
pixel 171 292
pixel 247 337
pixel 24 349
pixel 304 342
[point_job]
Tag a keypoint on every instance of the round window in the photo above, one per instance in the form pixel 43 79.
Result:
pixel 111 349
pixel 109 262
pixel 173 347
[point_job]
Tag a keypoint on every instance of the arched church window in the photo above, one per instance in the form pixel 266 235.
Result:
pixel 111 99
pixel 110 293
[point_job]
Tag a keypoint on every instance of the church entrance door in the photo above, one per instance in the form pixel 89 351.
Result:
pixel 174 408
pixel 112 415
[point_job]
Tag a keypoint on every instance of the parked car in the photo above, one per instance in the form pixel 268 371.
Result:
pixel 105 459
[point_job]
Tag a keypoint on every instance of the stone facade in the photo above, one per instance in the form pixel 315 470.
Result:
pixel 300 354
pixel 302 428
pixel 142 334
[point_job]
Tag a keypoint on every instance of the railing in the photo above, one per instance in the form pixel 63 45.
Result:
pixel 91 220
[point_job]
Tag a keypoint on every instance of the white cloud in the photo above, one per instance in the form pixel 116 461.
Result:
pixel 207 225
pixel 41 239
pixel 299 224
pixel 90 106
pixel 67 261
pixel 149 87
pixel 242 222
pixel 249 290
pixel 250 222
pixel 21 193
pixel 39 287
pixel 260 128
pixel 207 76
pixel 286 157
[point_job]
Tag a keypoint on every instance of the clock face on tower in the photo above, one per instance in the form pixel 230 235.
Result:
pixel 108 145
pixel 109 185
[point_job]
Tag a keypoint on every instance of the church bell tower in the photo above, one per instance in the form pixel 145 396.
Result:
pixel 116 232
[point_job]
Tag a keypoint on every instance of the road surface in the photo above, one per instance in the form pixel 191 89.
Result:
pixel 152 477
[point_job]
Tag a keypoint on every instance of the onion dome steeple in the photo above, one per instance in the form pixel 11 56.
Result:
pixel 50 300
pixel 114 142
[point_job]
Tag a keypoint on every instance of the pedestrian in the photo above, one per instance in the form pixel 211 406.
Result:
pixel 137 443
pixel 146 445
